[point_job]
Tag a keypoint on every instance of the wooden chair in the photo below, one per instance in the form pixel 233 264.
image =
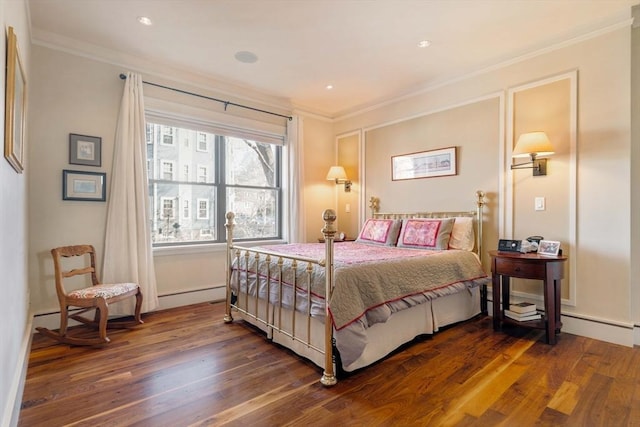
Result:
pixel 95 297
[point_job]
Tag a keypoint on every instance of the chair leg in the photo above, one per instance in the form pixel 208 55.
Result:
pixel 137 317
pixel 63 337
pixel 102 315
pixel 64 320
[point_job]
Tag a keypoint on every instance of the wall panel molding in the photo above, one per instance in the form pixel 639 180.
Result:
pixel 511 185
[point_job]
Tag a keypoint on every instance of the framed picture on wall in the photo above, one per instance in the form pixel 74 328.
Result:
pixel 85 150
pixel 15 105
pixel 85 186
pixel 425 164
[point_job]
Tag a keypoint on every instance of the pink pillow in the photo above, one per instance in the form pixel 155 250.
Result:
pixel 380 232
pixel 425 233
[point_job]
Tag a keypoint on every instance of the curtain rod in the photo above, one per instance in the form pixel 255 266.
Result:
pixel 226 103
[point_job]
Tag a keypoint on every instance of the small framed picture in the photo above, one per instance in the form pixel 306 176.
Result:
pixel 86 186
pixel 85 150
pixel 549 247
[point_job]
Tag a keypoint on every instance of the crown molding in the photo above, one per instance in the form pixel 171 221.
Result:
pixel 556 46
pixel 150 68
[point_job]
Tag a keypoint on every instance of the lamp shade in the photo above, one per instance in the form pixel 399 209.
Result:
pixel 536 143
pixel 336 173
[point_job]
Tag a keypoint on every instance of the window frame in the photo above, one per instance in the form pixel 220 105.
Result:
pixel 217 207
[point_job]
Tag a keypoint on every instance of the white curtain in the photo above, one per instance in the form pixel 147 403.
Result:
pixel 128 255
pixel 296 218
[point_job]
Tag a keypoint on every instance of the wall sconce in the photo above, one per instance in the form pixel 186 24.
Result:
pixel 337 174
pixel 532 145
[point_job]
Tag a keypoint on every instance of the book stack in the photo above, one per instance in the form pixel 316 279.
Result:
pixel 522 312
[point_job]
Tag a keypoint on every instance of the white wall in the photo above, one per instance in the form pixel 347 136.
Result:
pixel 73 94
pixel 635 169
pixel 603 218
pixel 14 316
pixel 70 95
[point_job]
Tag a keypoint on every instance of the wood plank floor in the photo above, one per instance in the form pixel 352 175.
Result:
pixel 185 367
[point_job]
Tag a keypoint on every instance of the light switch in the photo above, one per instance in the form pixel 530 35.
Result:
pixel 539 203
pixel 347 207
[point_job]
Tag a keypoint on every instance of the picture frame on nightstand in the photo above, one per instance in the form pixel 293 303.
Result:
pixel 549 247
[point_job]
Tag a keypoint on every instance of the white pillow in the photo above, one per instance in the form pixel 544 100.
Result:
pixel 462 235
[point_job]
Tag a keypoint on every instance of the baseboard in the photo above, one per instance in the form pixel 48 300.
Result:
pixel 11 412
pixel 51 320
pixel 179 299
pixel 600 329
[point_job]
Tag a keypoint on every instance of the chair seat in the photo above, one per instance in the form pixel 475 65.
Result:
pixel 92 298
pixel 105 291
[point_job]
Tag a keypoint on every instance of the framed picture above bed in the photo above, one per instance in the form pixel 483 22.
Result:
pixel 425 164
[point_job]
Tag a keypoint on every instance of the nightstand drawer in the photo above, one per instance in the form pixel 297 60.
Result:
pixel 519 268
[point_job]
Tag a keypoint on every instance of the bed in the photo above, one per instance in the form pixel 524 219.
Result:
pixel 406 275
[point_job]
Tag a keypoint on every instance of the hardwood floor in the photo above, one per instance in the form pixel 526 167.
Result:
pixel 185 367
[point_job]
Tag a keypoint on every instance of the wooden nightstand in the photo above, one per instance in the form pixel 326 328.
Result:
pixel 549 269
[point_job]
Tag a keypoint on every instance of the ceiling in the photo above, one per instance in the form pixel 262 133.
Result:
pixel 367 49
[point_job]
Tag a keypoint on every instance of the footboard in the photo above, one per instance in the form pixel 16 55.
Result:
pixel 255 288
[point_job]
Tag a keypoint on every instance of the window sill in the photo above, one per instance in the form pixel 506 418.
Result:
pixel 208 248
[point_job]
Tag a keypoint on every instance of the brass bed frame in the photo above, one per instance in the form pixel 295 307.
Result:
pixel 271 320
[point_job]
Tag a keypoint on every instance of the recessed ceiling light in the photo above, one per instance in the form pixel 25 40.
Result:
pixel 246 57
pixel 144 20
pixel 424 43
pixel 328 87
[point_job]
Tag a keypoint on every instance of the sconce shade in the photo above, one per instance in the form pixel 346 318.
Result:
pixel 533 144
pixel 337 174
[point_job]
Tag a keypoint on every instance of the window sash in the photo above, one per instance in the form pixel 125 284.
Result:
pixel 217 206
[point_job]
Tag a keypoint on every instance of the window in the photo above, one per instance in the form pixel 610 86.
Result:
pixel 166 224
pixel 167 170
pixel 218 173
pixel 202 173
pixel 202 142
pixel 167 135
pixel 186 212
pixel 203 209
pixel 168 211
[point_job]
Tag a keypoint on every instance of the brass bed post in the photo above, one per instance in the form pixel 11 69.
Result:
pixel 328 231
pixel 483 288
pixel 374 205
pixel 480 206
pixel 229 226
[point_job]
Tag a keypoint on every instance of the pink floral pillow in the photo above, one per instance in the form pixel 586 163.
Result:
pixel 380 232
pixel 423 233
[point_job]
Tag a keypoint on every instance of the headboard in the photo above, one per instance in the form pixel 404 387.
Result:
pixel 374 205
